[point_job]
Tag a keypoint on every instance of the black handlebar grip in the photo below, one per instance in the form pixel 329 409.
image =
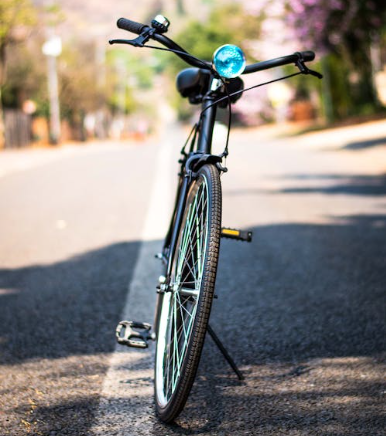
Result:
pixel 308 55
pixel 131 26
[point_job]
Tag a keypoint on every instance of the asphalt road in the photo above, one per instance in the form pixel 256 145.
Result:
pixel 302 308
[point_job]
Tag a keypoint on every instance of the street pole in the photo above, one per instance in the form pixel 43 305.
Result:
pixel 54 100
pixel 52 48
pixel 180 7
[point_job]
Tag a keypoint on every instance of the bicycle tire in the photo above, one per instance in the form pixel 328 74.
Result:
pixel 185 310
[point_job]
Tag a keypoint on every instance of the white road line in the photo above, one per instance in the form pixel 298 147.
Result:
pixel 126 404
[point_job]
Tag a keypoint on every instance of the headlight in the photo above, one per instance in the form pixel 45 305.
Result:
pixel 229 61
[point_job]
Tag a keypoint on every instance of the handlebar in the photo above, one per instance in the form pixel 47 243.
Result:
pixel 304 56
pixel 139 28
pixel 131 26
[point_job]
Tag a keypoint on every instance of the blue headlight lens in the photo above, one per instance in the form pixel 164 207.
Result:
pixel 229 61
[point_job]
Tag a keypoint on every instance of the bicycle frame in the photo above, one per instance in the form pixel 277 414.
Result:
pixel 204 148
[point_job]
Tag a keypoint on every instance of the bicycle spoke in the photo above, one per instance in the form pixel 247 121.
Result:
pixel 192 249
pixel 176 355
pixel 186 332
pixel 201 218
pixel 187 234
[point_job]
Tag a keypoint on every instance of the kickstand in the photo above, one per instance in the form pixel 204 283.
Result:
pixel 225 353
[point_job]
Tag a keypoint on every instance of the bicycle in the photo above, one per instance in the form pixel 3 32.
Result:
pixel 191 247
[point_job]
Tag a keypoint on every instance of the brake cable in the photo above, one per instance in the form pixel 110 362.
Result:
pixel 194 133
pixel 179 52
pixel 227 97
pixel 302 70
pixel 225 153
pixel 229 105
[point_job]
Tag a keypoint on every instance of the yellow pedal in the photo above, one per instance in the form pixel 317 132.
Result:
pixel 237 235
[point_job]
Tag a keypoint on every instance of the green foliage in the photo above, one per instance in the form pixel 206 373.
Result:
pixel 14 13
pixel 26 78
pixel 136 68
pixel 344 30
pixel 121 77
pixel 53 15
pixel 340 88
pixel 227 24
pixel 78 85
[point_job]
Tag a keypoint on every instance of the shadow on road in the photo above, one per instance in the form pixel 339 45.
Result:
pixel 347 184
pixel 57 326
pixel 306 290
pixel 302 309
pixel 330 184
pixel 67 308
pixel 360 145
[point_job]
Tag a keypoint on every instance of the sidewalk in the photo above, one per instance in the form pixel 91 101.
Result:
pixel 331 137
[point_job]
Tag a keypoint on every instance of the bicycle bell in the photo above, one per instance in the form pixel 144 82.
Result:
pixel 160 23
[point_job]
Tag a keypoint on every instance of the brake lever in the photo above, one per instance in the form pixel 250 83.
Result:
pixel 125 41
pixel 140 41
pixel 305 70
pixel 300 63
pixel 314 73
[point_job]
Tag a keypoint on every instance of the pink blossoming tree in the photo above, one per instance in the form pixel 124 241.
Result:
pixel 346 29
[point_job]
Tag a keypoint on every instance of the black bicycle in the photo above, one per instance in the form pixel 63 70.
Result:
pixel 191 248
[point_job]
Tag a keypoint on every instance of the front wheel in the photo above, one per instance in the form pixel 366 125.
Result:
pixel 185 308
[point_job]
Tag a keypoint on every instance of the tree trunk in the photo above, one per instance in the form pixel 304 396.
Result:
pixel 326 94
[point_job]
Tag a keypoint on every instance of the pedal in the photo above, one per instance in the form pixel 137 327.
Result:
pixel 138 338
pixel 237 235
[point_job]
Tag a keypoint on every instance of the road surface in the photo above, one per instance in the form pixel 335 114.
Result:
pixel 302 308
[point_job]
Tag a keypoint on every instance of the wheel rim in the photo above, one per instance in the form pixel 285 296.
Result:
pixel 179 306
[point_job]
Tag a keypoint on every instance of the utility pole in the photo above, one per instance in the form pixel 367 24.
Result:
pixel 180 7
pixel 52 49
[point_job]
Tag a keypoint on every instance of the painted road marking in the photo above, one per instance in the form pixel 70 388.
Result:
pixel 126 404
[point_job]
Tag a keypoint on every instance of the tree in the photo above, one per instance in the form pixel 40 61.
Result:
pixel 26 76
pixel 329 24
pixel 225 25
pixel 14 15
pixel 344 30
pixel 78 88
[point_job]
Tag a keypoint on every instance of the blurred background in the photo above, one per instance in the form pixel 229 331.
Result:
pixel 88 144
pixel 61 81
